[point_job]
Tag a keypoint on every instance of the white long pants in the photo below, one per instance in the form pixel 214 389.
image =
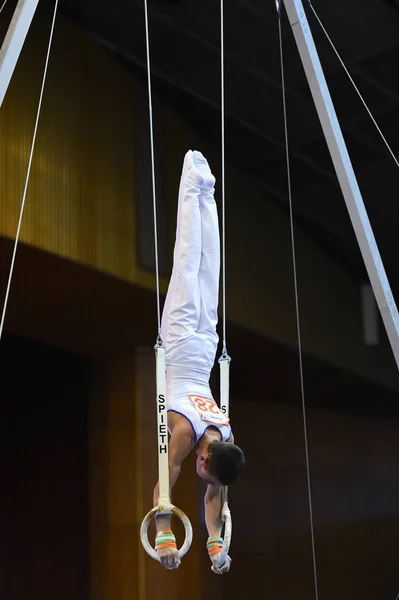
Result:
pixel 190 315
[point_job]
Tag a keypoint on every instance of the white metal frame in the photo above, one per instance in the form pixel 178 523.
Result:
pixel 14 41
pixel 345 173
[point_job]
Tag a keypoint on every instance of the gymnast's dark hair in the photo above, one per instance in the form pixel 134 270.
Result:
pixel 225 461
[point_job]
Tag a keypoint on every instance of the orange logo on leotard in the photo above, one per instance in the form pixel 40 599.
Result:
pixel 208 410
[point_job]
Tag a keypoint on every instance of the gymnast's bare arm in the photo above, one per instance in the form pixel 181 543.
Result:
pixel 180 444
pixel 213 501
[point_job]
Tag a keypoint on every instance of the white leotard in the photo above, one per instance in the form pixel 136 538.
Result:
pixel 189 395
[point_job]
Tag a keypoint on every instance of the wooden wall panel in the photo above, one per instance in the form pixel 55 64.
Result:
pixel 113 527
pixel 355 497
pixel 81 202
pixel 43 464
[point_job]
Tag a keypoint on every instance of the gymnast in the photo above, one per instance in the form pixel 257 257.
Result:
pixel 189 333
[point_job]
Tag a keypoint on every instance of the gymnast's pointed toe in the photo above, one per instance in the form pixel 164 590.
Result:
pixel 202 166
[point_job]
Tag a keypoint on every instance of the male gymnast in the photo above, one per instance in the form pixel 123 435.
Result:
pixel 189 332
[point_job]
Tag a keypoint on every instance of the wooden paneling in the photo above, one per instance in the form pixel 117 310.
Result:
pixel 113 530
pixel 353 459
pixel 66 305
pixel 81 196
pixel 355 497
pixel 43 463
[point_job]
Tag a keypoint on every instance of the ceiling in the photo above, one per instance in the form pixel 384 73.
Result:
pixel 185 54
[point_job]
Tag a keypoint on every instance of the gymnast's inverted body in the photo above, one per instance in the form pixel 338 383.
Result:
pixel 188 329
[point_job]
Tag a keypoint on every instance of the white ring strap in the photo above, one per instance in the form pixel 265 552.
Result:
pixel 224 365
pixel 164 504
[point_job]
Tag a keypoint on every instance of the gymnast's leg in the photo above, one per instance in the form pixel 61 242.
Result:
pixel 182 305
pixel 209 266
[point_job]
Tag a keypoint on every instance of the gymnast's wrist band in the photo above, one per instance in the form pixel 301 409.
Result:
pixel 214 545
pixel 165 539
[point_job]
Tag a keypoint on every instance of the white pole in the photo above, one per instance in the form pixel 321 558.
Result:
pixel 14 41
pixel 344 170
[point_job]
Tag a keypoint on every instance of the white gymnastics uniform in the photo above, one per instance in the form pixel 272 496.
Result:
pixel 190 315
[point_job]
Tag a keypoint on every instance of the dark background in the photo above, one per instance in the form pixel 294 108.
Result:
pixel 44 473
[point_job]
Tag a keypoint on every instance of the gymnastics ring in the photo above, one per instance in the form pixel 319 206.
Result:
pixel 175 511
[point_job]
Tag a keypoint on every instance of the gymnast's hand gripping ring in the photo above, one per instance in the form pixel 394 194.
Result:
pixel 175 511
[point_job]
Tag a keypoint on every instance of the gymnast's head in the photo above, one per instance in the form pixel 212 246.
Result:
pixel 220 463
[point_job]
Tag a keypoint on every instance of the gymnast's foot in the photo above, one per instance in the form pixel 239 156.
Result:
pixel 206 180
pixel 197 167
